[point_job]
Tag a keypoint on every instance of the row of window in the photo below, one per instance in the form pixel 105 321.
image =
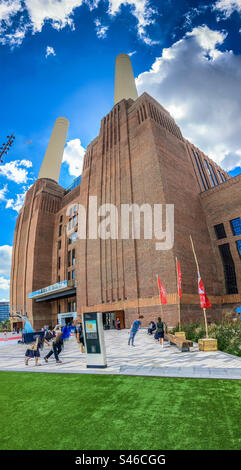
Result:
pixel 73 221
pixel 235 226
pixel 211 172
pixel 71 258
pixel 236 230
pixel 71 275
pixel 72 306
pixel 229 269
pixel 226 256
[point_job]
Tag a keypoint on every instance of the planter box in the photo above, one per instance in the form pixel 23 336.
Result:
pixel 180 334
pixel 208 344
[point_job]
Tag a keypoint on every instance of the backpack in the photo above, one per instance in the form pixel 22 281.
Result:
pixel 160 327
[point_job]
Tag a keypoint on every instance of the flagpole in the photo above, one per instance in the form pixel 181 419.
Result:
pixel 160 297
pixel 179 300
pixel 204 309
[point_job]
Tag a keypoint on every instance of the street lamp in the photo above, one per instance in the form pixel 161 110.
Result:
pixel 5 147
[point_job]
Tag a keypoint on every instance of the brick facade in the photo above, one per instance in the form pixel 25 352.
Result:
pixel 141 157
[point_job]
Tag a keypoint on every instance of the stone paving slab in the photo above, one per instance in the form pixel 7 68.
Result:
pixel 183 372
pixel 147 358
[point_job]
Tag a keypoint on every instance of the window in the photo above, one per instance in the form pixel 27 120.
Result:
pixel 224 177
pixel 59 262
pixel 220 231
pixel 236 226
pixel 69 275
pixel 76 208
pixel 73 257
pixel 60 230
pixel 229 269
pixel 59 245
pixel 209 172
pixel 58 279
pixel 75 222
pixel 72 238
pixel 220 176
pixel 73 274
pixel 214 174
pixel 200 170
pixel 61 219
pixel 238 244
pixel 69 258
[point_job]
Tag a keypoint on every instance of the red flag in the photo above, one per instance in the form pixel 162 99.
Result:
pixel 202 293
pixel 163 294
pixel 179 279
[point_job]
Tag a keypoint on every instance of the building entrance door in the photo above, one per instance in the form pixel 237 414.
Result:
pixel 110 320
pixel 121 316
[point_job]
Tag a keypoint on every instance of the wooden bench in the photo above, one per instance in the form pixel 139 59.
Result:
pixel 183 344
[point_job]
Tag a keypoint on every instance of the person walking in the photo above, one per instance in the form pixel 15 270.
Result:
pixel 34 350
pixel 134 328
pixel 118 324
pixel 80 337
pixel 56 346
pixel 160 331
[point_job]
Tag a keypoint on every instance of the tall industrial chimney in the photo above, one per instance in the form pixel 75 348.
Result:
pixel 54 154
pixel 125 86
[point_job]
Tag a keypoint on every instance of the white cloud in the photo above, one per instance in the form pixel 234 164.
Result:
pixel 207 38
pixel 33 14
pixel 3 192
pixel 17 203
pixel 16 38
pixel 13 170
pixel 227 7
pixel 58 12
pixel 142 12
pixel 100 29
pixel 8 9
pixel 200 86
pixel 5 260
pixel 4 283
pixel 50 51
pixel 74 156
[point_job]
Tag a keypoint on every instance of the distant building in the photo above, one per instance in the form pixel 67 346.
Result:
pixel 4 311
pixel 139 157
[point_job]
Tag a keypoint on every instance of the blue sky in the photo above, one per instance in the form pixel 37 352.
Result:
pixel 57 59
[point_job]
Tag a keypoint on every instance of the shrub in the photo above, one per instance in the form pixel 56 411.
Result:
pixel 227 334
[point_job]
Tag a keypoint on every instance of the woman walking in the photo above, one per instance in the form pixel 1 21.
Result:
pixel 160 330
pixel 33 351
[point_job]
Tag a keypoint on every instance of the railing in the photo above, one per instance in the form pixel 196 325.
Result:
pixel 73 185
pixel 53 288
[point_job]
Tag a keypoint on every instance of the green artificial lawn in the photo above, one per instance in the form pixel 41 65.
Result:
pixel 84 412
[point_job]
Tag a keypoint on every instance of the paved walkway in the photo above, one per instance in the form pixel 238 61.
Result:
pixel 147 358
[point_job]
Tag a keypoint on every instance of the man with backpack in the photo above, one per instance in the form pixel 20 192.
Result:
pixel 160 331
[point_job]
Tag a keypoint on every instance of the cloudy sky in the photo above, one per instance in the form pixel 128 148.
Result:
pixel 57 59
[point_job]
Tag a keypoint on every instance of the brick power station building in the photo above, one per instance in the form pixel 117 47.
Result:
pixel 141 157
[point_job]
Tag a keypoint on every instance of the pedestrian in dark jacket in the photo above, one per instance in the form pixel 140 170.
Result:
pixel 57 346
pixel 80 337
pixel 160 328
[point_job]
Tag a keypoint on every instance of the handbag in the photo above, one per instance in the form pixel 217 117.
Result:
pixel 34 346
